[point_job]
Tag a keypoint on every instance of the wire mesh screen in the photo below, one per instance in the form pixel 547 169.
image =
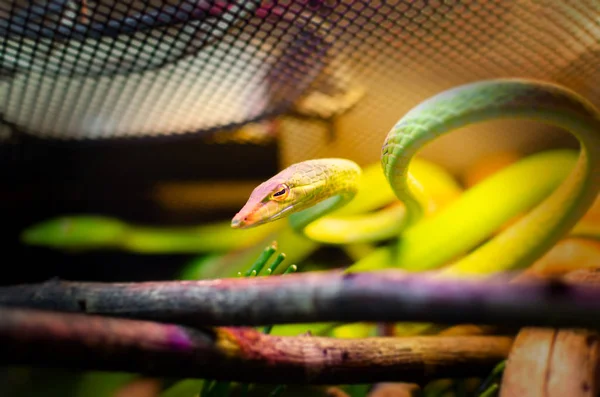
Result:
pixel 104 69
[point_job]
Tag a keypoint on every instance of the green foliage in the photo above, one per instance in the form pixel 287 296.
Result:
pixel 489 387
pixel 491 391
pixel 218 265
pixel 260 263
pixel 209 388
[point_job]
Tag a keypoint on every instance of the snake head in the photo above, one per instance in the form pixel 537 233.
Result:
pixel 292 190
pixel 296 188
pixel 272 200
pixel 268 202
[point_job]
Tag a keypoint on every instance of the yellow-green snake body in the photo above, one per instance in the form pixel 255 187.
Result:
pixel 311 189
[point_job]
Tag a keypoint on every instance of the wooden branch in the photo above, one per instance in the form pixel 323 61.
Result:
pixel 389 296
pixel 44 338
pixel 553 363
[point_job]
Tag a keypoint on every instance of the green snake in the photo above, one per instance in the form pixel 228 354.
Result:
pixel 309 190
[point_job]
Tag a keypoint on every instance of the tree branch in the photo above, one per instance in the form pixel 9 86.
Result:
pixel 42 338
pixel 389 296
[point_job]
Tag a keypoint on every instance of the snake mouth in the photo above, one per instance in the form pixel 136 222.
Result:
pixel 279 214
pixel 248 219
pixel 242 220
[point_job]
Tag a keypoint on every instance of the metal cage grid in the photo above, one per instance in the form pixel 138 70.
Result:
pixel 107 69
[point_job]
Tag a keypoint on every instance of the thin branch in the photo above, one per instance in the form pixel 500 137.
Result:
pixel 42 338
pixel 389 296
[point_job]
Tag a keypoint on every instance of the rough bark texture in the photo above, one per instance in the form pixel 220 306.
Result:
pixel 389 296
pixel 43 338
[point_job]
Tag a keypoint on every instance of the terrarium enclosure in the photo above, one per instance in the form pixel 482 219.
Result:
pixel 109 107
pixel 133 131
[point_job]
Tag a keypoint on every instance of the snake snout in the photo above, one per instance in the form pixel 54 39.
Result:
pixel 238 222
pixel 243 219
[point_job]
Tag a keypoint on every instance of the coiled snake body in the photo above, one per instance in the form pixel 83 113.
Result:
pixel 309 190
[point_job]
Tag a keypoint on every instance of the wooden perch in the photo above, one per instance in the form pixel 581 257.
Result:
pixel 389 296
pixel 553 363
pixel 43 338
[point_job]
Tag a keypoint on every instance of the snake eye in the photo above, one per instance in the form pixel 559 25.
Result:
pixel 281 192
